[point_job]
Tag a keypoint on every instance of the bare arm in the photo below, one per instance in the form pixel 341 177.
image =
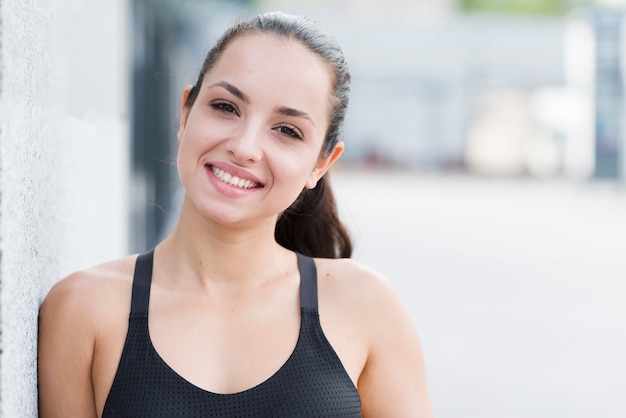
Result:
pixel 393 382
pixel 65 352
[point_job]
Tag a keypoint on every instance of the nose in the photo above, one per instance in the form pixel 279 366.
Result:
pixel 246 144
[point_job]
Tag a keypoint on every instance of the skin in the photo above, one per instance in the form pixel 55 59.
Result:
pixel 221 273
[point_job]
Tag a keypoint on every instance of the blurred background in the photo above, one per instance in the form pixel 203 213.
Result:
pixel 483 175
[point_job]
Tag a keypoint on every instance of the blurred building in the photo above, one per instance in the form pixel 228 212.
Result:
pixel 424 90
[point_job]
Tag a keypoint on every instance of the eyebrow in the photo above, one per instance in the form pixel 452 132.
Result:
pixel 289 111
pixel 232 89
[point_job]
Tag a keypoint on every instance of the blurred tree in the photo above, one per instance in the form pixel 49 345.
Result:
pixel 522 7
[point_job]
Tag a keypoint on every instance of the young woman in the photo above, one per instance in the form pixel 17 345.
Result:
pixel 229 317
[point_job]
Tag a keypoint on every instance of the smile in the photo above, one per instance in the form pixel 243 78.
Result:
pixel 233 181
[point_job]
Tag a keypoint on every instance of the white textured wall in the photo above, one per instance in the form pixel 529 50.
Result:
pixel 64 162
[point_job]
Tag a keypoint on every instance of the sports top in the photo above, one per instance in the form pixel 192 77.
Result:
pixel 311 383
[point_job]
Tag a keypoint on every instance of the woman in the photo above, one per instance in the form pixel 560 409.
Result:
pixel 241 321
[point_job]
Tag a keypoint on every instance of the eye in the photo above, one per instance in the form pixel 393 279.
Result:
pixel 289 131
pixel 224 107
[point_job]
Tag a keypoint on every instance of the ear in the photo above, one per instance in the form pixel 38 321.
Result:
pixel 323 165
pixel 184 112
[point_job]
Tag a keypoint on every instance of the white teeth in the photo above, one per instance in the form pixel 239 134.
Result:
pixel 232 180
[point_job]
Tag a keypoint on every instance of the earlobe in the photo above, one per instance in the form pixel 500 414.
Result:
pixel 324 164
pixel 184 112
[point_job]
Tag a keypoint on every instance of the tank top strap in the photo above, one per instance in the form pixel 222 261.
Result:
pixel 141 284
pixel 308 282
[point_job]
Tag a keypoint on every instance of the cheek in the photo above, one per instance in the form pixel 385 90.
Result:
pixel 291 171
pixel 190 147
pixel 196 139
pixel 181 166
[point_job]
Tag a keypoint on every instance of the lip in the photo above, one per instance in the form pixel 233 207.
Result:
pixel 236 171
pixel 226 189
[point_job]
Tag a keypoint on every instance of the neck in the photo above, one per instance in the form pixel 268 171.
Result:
pixel 202 250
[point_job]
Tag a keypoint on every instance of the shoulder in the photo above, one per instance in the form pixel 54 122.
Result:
pixel 357 292
pixel 90 294
pixel 79 313
pixel 352 282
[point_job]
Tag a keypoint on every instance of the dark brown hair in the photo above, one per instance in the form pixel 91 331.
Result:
pixel 311 225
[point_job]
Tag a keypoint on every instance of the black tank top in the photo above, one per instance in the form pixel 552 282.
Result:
pixel 311 383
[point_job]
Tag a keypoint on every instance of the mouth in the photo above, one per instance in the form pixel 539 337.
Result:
pixel 232 180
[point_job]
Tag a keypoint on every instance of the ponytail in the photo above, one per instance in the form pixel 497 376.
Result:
pixel 311 225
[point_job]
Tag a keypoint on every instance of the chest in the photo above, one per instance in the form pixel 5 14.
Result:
pixel 311 380
pixel 225 352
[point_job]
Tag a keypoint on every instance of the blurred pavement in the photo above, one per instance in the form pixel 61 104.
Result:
pixel 517 286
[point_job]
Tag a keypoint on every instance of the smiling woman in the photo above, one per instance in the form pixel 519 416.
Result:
pixel 250 306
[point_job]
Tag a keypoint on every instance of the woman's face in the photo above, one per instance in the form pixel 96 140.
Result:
pixel 251 141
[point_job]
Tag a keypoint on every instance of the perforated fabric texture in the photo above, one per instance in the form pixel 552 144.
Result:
pixel 312 383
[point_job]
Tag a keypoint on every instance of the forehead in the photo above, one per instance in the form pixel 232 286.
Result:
pixel 259 45
pixel 266 63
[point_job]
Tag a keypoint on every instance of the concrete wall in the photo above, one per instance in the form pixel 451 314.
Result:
pixel 63 166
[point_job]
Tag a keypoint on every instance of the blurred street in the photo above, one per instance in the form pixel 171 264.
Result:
pixel 517 286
